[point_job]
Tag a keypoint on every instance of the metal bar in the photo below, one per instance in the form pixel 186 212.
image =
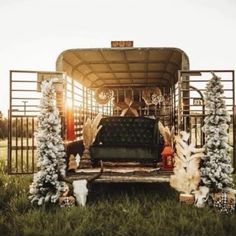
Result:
pixel 91 101
pixel 24 148
pixel 198 97
pixel 202 90
pixel 195 120
pixel 202 134
pixel 36 72
pixel 24 81
pixel 202 81
pixel 37 106
pixel 72 98
pixel 234 124
pixel 24 116
pixel 16 159
pixel 86 103
pixel 33 144
pixel 171 104
pixel 10 128
pixel 25 98
pixel 133 85
pixel 147 56
pixel 66 106
pixel 203 71
pixel 180 101
pixel 21 153
pixel 83 103
pixel 158 80
pixel 22 173
pixel 27 144
pixel 36 111
pixel 131 71
pixel 190 130
pixel 122 62
pixel 24 90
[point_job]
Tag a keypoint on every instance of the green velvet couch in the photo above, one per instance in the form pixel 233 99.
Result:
pixel 127 139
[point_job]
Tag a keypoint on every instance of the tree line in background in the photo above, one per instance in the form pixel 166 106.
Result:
pixel 3 127
pixel 24 129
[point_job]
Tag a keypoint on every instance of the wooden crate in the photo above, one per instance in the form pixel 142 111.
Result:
pixel 186 198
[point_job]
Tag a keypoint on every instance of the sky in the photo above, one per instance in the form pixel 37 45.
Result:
pixel 34 32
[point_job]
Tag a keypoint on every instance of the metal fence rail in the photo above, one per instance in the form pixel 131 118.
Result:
pixel 22 147
pixel 190 105
pixel 23 112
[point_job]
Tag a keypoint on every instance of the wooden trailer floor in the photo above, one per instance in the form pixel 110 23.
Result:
pixel 129 173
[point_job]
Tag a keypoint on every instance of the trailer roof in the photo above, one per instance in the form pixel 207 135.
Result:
pixel 113 67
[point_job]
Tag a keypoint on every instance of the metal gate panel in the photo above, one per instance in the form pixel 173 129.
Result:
pixel 24 108
pixel 190 107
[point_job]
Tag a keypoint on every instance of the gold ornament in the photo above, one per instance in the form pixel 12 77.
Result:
pixel 103 95
pixel 152 96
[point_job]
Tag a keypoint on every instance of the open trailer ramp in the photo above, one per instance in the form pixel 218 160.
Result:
pixel 122 174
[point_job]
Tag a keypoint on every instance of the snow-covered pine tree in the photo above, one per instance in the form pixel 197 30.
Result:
pixel 216 166
pixel 46 186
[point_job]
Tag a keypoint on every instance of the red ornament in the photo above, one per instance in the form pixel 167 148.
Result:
pixel 167 158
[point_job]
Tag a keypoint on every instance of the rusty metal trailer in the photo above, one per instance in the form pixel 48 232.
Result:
pixel 82 71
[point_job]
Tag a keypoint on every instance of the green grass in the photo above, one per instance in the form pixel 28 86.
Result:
pixel 112 209
pixel 22 165
pixel 3 149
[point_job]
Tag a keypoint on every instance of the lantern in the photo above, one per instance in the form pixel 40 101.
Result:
pixel 167 158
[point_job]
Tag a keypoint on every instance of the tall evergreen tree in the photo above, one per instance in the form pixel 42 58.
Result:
pixel 46 186
pixel 216 163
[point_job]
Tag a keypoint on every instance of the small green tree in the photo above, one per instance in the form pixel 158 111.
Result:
pixel 216 163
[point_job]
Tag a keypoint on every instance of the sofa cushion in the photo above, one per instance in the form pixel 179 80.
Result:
pixel 124 153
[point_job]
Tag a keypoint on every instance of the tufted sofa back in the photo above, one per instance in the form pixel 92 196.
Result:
pixel 128 132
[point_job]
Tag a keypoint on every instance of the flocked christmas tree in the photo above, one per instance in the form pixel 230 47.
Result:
pixel 216 163
pixel 46 186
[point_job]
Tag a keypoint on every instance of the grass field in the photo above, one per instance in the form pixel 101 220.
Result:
pixel 3 149
pixel 112 209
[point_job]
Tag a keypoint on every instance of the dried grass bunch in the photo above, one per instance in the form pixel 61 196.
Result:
pixel 186 176
pixel 167 134
pixel 90 130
